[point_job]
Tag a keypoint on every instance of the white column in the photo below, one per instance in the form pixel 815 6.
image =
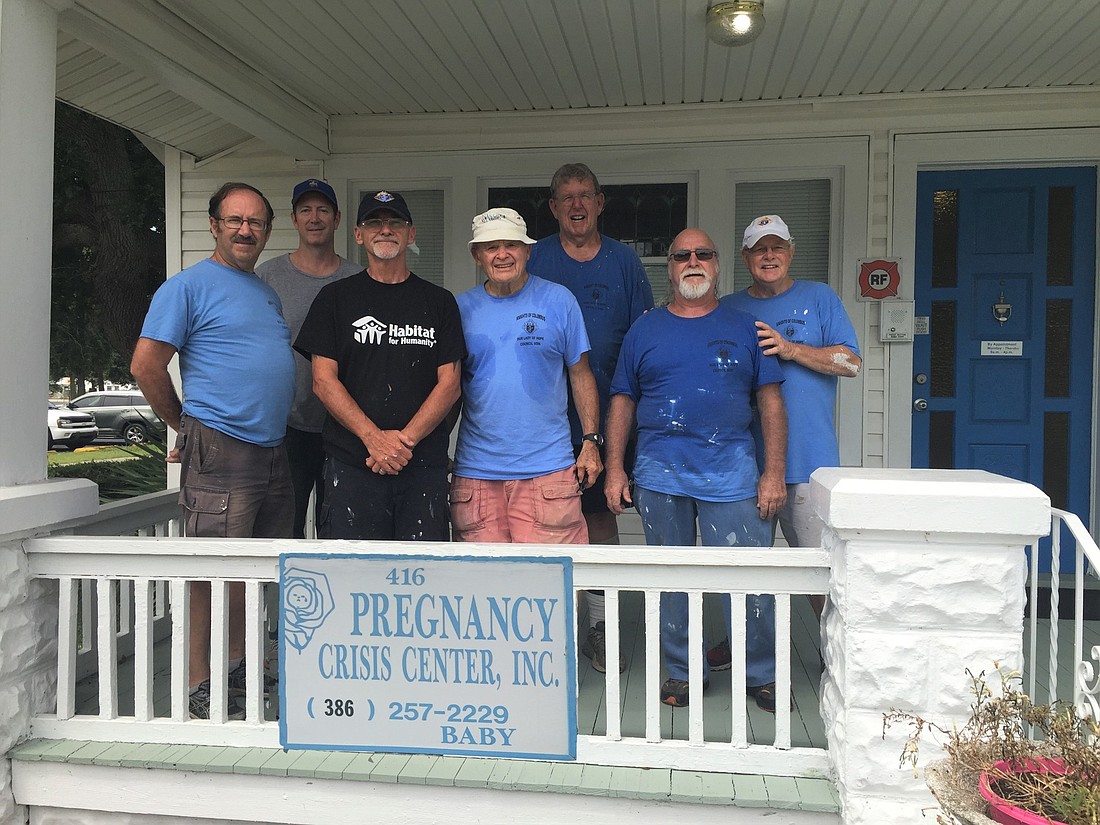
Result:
pixel 28 46
pixel 927 580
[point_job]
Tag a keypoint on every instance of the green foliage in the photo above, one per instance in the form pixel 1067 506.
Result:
pixel 144 473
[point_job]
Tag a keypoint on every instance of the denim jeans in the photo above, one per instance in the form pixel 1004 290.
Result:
pixel 671 520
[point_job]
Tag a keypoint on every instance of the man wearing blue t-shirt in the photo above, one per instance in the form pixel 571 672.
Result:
pixel 237 370
pixel 805 326
pixel 515 478
pixel 689 372
pixel 610 285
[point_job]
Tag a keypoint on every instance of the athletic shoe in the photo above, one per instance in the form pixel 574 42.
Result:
pixel 595 648
pixel 719 657
pixel 199 703
pixel 674 692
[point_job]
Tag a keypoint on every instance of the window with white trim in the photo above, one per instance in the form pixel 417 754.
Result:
pixel 805 207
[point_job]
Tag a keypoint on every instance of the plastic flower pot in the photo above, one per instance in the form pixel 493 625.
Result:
pixel 1003 811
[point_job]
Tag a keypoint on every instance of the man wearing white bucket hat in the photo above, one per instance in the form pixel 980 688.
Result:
pixel 515 478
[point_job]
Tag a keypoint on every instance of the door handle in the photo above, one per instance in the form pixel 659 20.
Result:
pixel 920 405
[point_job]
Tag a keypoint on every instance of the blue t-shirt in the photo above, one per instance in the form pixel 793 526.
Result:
pixel 693 380
pixel 514 381
pixel 807 313
pixel 612 290
pixel 236 362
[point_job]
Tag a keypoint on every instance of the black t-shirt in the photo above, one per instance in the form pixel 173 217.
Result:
pixel 388 341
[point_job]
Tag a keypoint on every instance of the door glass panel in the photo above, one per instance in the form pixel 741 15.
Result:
pixel 1056 384
pixel 943 336
pixel 1056 458
pixel 1060 236
pixel 945 238
pixel 941 440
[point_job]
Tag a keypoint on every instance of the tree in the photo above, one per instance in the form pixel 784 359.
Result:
pixel 108 245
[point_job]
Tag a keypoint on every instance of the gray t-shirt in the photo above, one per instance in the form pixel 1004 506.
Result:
pixel 297 290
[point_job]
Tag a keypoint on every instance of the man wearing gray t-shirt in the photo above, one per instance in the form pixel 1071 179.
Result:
pixel 298 276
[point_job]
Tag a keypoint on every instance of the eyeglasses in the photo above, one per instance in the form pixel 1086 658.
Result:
pixel 236 222
pixel 376 224
pixel 584 197
pixel 684 255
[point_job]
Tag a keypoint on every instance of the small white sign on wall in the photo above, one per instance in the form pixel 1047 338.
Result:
pixel 1003 348
pixel 427 654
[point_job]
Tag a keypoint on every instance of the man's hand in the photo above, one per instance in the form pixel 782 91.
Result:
pixel 589 465
pixel 173 456
pixel 616 488
pixel 772 343
pixel 387 453
pixel 771 495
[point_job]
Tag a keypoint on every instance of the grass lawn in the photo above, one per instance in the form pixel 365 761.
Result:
pixel 83 454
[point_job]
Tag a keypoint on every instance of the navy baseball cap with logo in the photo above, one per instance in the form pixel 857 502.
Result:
pixel 313 185
pixel 383 201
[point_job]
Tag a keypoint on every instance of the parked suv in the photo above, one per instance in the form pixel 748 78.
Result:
pixel 69 428
pixel 122 414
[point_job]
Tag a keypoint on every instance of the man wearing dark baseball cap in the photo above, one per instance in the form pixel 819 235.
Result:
pixel 386 348
pixel 298 276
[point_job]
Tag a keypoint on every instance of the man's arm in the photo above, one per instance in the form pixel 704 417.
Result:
pixel 772 488
pixel 587 401
pixel 620 418
pixel 833 360
pixel 149 366
pixel 387 453
pixel 437 406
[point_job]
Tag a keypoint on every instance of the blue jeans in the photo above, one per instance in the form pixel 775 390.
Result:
pixel 670 520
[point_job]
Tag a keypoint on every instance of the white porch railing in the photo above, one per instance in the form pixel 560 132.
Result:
pixel 120 571
pixel 1084 687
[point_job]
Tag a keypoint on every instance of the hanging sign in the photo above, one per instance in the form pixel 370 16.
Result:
pixel 428 654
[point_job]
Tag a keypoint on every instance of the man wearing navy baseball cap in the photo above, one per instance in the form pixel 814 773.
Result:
pixel 297 277
pixel 386 347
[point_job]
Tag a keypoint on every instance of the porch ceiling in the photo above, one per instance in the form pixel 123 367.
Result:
pixel 205 75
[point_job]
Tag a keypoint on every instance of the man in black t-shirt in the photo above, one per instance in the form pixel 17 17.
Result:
pixel 386 349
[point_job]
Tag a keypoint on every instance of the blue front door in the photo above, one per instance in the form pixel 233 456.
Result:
pixel 1005 270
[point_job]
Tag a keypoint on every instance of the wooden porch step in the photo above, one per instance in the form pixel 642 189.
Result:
pixel 679 786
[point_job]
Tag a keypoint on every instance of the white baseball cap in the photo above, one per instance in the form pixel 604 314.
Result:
pixel 765 225
pixel 500 224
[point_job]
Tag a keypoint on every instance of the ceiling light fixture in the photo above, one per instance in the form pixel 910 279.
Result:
pixel 736 23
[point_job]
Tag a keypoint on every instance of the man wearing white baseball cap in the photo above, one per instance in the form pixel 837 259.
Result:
pixel 515 478
pixel 804 325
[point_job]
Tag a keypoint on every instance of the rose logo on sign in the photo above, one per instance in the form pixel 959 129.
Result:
pixel 879 279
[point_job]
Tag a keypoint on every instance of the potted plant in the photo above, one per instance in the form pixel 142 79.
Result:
pixel 1013 762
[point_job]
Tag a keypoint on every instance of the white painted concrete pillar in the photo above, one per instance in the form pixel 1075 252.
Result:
pixel 927 580
pixel 28 57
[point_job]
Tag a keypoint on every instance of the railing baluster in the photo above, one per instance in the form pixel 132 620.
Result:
pixel 181 632
pixel 125 613
pixel 1033 618
pixel 254 635
pixel 107 645
pixel 783 671
pixel 86 599
pixel 740 723
pixel 652 665
pixel 143 650
pixel 1055 579
pixel 695 667
pixel 219 644
pixel 67 590
pixel 613 693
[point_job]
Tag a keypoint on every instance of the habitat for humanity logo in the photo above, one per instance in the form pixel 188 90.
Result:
pixel 369 330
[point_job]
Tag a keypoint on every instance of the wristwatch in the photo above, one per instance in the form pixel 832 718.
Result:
pixel 595 438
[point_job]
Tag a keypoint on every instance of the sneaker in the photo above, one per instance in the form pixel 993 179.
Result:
pixel 719 657
pixel 595 648
pixel 199 703
pixel 765 697
pixel 674 692
pixel 237 676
